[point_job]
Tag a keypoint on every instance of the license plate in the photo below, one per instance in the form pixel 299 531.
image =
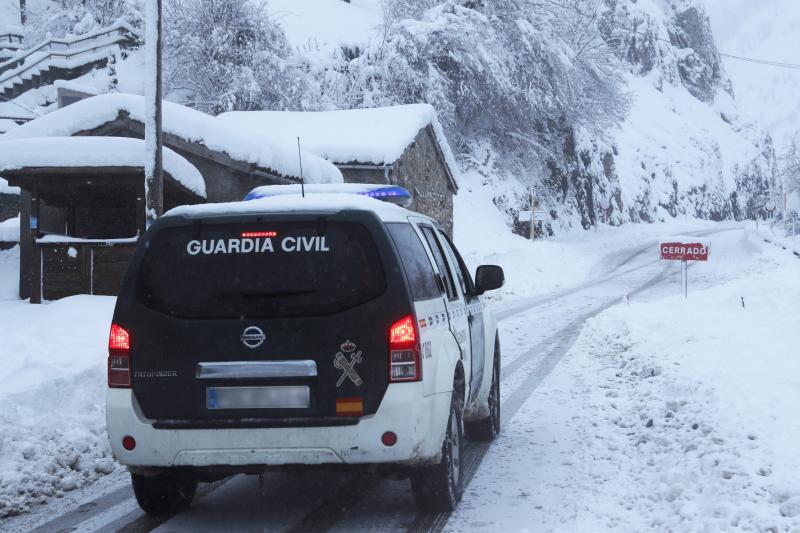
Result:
pixel 273 397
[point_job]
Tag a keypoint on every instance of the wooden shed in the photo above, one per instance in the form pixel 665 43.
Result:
pixel 83 209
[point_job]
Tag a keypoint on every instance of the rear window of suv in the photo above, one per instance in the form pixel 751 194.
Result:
pixel 265 270
pixel 419 271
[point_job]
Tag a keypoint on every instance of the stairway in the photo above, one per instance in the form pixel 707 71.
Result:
pixel 67 59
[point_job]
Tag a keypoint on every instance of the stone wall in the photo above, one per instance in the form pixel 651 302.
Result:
pixel 423 173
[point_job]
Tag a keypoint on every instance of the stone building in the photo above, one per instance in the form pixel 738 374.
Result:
pixel 401 145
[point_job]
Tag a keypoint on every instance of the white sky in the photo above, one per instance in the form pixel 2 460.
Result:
pixel 762 29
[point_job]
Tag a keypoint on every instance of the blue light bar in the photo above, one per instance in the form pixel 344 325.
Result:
pixel 388 193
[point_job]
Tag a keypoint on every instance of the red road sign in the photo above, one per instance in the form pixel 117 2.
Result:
pixel 683 251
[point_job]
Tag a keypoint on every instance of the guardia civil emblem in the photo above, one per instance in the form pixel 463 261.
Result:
pixel 346 360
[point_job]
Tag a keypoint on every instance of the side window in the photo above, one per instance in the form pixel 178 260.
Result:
pixel 419 270
pixel 441 264
pixel 463 272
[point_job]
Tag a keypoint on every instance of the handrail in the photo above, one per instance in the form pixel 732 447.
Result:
pixel 68 54
pixel 122 28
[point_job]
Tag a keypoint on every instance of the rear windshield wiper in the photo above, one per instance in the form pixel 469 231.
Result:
pixel 274 294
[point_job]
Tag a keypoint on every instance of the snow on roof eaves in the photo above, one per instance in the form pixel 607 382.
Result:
pixel 376 136
pixel 271 153
pixel 93 152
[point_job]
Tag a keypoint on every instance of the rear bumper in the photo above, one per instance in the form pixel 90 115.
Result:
pixel 418 421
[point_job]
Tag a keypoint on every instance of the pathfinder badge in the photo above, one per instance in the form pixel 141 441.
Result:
pixel 347 363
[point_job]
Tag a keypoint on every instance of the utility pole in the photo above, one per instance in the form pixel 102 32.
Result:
pixel 153 138
pixel 534 203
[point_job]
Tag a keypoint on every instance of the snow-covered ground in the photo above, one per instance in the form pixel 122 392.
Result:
pixel 666 415
pixel 52 366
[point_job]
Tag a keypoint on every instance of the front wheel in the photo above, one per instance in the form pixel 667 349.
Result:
pixel 168 492
pixel 439 487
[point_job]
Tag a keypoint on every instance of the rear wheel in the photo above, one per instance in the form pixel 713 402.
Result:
pixel 488 428
pixel 168 492
pixel 439 487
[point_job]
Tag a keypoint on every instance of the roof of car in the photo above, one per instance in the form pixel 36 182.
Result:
pixel 294 204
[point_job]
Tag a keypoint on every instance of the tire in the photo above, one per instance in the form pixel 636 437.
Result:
pixel 168 492
pixel 439 487
pixel 486 429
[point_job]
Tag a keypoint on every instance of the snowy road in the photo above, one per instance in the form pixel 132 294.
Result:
pixel 535 335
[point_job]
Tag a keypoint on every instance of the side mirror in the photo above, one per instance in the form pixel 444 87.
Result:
pixel 489 278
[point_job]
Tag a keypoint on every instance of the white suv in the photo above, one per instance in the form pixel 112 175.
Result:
pixel 326 329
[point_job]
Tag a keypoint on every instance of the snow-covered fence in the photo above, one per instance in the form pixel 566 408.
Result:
pixel 10 43
pixel 62 58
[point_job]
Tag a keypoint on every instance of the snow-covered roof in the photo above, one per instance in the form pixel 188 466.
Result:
pixel 318 203
pixel 93 152
pixel 269 152
pixel 376 136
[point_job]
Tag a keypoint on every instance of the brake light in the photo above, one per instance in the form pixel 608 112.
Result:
pixel 119 357
pixel 255 234
pixel 404 358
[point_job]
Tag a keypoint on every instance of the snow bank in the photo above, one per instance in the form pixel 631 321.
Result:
pixel 52 425
pixel 93 152
pixel 9 230
pixel 698 411
pixel 266 151
pixel 374 136
pixel 666 415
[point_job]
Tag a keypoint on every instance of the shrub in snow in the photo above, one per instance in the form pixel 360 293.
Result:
pixel 229 56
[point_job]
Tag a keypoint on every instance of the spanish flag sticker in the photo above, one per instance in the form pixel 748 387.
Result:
pixel 349 406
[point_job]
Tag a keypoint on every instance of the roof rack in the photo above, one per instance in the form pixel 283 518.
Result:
pixel 388 193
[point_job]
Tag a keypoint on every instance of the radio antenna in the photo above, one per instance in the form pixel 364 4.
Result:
pixel 302 181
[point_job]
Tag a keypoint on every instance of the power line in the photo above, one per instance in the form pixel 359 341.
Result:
pixel 761 61
pixel 656 37
pixel 20 106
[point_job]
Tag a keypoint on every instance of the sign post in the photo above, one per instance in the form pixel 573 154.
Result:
pixel 683 252
pixel 531 215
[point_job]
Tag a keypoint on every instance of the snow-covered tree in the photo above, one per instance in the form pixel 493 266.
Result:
pixel 790 168
pixel 76 17
pixel 224 55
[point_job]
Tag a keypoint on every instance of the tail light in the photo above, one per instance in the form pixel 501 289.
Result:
pixel 404 359
pixel 119 357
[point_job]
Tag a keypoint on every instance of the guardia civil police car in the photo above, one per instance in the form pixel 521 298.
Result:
pixel 329 329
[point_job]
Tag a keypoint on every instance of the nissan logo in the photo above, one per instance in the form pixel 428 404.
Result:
pixel 253 337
